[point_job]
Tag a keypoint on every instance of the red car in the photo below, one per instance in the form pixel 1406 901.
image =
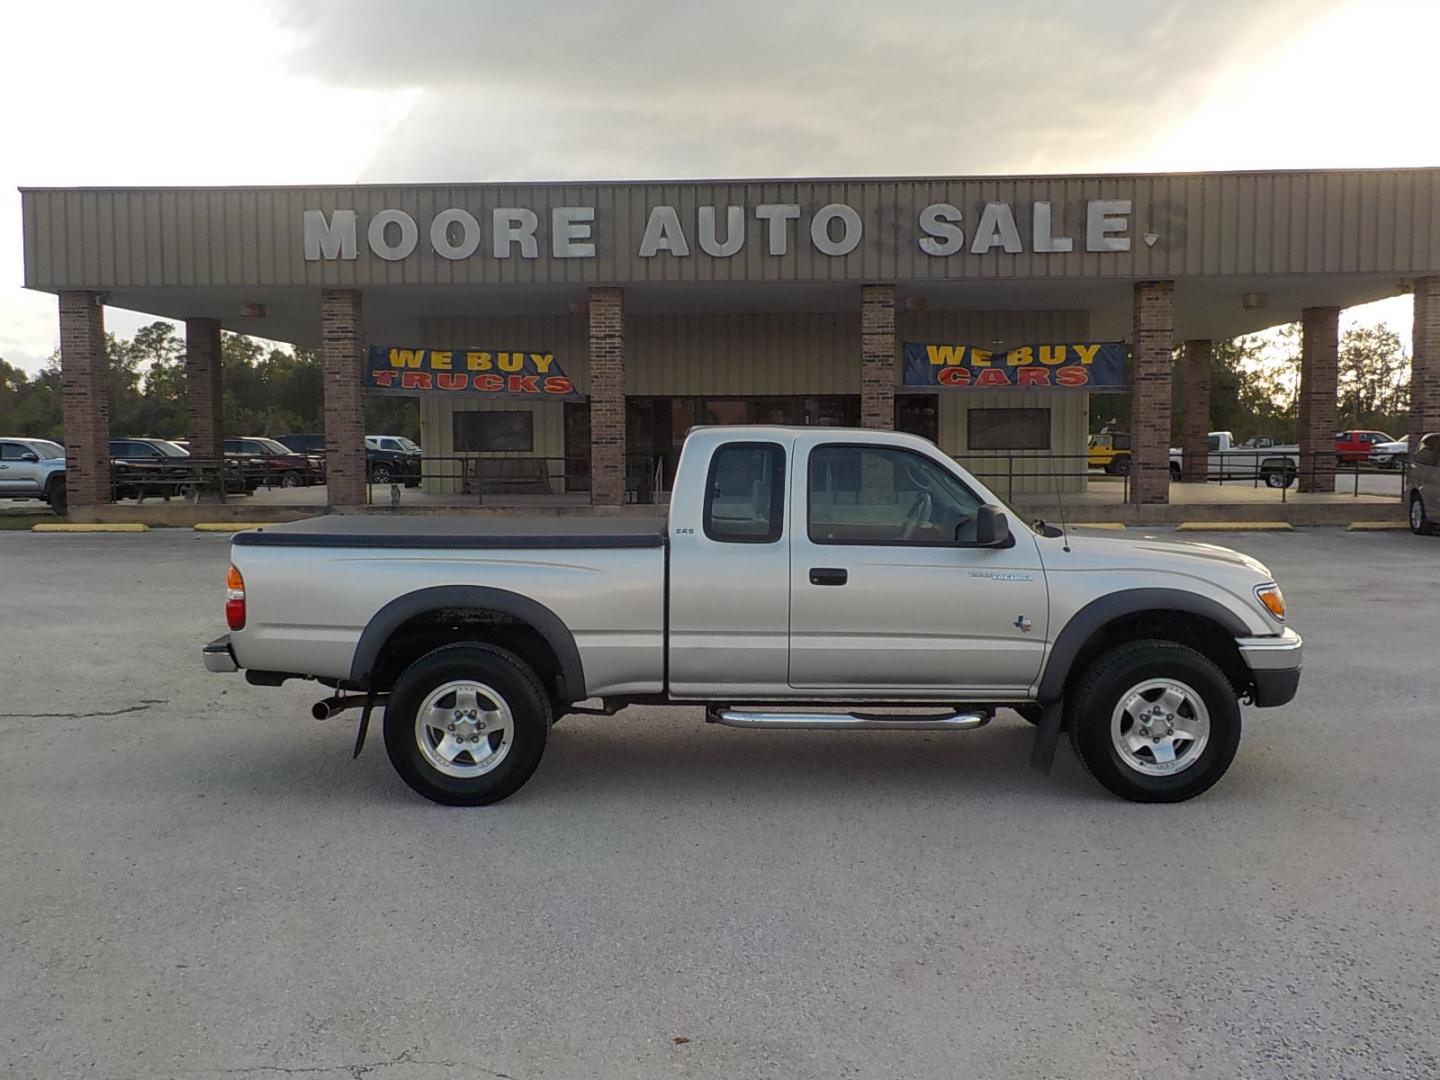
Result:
pixel 269 463
pixel 1353 446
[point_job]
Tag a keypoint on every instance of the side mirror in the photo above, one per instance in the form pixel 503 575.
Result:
pixel 30 456
pixel 992 528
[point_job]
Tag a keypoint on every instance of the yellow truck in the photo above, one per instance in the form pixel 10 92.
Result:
pixel 1109 450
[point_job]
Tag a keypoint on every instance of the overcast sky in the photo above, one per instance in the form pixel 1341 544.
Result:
pixel 341 91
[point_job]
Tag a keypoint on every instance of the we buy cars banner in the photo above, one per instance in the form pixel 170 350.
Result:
pixel 468 373
pixel 1083 366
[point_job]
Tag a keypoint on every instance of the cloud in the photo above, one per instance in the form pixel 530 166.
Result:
pixel 630 89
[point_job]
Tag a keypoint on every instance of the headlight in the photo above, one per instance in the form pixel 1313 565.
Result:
pixel 1272 599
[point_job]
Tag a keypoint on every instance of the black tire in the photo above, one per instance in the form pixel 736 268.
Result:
pixel 1420 522
pixel 292 479
pixel 1279 478
pixel 381 474
pixel 1105 684
pixel 58 498
pixel 511 679
pixel 1174 471
pixel 1120 466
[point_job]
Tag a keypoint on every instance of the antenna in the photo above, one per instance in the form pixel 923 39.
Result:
pixel 1060 505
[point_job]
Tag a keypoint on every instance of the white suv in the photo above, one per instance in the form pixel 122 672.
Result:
pixel 33 469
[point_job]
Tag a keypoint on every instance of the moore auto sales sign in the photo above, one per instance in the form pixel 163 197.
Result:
pixel 720 231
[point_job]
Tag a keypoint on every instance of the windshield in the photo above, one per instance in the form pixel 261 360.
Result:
pixel 169 449
pixel 273 446
pixel 406 444
pixel 47 449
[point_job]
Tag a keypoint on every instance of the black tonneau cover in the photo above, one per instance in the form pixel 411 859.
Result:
pixel 415 531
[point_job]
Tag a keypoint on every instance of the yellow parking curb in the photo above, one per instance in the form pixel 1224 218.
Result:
pixel 1097 525
pixel 1234 526
pixel 229 526
pixel 96 527
pixel 1374 526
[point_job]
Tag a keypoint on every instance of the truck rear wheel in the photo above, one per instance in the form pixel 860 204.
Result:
pixel 1154 721
pixel 465 725
pixel 1279 477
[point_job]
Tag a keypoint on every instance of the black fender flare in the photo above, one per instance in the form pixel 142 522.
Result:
pixel 1083 625
pixel 479 597
pixel 1106 609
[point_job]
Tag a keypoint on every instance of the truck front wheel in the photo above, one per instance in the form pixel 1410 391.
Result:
pixel 465 725
pixel 1154 721
pixel 58 497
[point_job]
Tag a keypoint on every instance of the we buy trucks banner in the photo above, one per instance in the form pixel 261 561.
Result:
pixel 468 373
pixel 1083 366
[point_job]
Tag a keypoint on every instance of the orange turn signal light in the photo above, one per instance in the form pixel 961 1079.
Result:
pixel 1273 599
pixel 234 599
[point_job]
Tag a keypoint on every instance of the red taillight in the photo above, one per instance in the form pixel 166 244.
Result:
pixel 235 599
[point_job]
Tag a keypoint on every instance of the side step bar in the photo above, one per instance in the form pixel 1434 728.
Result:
pixel 778 721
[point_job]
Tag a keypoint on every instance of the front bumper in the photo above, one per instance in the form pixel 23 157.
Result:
pixel 1274 664
pixel 219 656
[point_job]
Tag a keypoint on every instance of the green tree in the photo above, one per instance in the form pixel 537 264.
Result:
pixel 1374 380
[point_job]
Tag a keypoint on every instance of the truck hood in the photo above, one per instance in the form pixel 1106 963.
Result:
pixel 1149 553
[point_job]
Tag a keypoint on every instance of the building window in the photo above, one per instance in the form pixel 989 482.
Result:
pixel 918 414
pixel 745 495
pixel 1009 429
pixel 493 432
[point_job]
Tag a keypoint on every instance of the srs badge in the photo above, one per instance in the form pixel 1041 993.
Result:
pixel 1023 624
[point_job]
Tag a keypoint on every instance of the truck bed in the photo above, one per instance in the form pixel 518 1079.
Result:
pixel 315 585
pixel 451 533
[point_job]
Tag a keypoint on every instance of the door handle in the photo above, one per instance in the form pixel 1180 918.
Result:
pixel 828 575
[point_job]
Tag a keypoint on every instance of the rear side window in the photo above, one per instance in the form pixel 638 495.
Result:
pixel 745 493
pixel 1429 452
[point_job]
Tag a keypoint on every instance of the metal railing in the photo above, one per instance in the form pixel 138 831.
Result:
pixel 191 479
pixel 479 476
pixel 646 475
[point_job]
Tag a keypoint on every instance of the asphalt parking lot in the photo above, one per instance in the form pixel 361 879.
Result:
pixel 196 881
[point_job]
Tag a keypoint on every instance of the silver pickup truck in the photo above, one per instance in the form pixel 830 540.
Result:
pixel 806 578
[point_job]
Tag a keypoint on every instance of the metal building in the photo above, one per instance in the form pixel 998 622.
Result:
pixel 587 326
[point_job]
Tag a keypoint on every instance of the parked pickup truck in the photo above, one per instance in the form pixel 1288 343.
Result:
pixel 33 469
pixel 1276 465
pixel 806 578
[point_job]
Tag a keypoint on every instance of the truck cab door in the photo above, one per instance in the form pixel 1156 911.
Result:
pixel 886 599
pixel 729 613
pixel 19 467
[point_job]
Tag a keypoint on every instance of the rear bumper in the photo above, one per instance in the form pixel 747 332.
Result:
pixel 219 656
pixel 1275 664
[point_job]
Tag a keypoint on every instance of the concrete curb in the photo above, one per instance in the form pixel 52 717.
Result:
pixel 1234 526
pixel 229 526
pixel 1375 526
pixel 1097 525
pixel 95 527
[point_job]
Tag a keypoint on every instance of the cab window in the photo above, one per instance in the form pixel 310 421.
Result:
pixel 884 495
pixel 745 493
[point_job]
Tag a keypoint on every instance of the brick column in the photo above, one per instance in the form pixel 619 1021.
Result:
pixel 1151 363
pixel 84 399
pixel 607 396
pixel 877 356
pixel 1425 365
pixel 203 425
pixel 1319 382
pixel 342 342
pixel 1195 435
